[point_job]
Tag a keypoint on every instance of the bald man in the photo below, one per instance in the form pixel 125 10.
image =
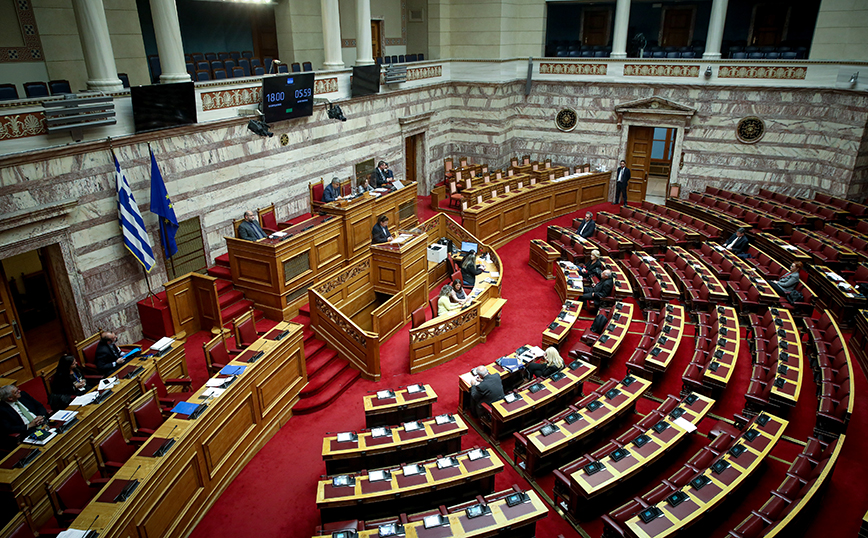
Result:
pixel 486 388
pixel 108 354
pixel 602 289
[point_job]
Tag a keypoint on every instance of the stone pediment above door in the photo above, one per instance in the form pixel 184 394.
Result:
pixel 658 107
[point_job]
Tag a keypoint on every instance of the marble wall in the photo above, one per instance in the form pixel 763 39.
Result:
pixel 840 31
pixel 815 140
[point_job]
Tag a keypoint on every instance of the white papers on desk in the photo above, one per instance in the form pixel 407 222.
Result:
pixel 30 441
pixel 384 394
pixel 834 276
pixel 345 437
pixel 163 344
pixel 402 238
pixel 684 424
pixel 278 235
pixel 107 383
pixel 570 266
pixel 212 392
pixel 216 381
pixel 63 416
pixel 569 319
pixel 580 239
pixel 494 274
pixel 397 184
pixel 649 258
pixel 718 247
pixel 72 533
pixel 85 399
pixel 789 247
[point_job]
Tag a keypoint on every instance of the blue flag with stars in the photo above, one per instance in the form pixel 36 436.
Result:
pixel 162 207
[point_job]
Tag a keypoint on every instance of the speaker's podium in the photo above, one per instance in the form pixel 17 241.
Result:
pixel 398 264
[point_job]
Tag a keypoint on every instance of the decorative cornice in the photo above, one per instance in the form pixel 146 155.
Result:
pixel 36 214
pixel 572 68
pixel 419 73
pixel 412 121
pixel 22 125
pixel 660 70
pixel 32 49
pixel 762 72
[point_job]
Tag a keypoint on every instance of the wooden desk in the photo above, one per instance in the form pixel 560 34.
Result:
pixel 701 502
pixel 569 283
pixel 726 222
pixel 498 220
pixel 365 499
pixel 542 256
pixel 725 351
pixel 782 250
pixel 616 473
pixel 531 406
pixel 535 451
pixel 516 522
pixel 837 294
pixel 615 332
pixel 509 379
pixel 398 266
pixel 668 350
pixel 177 489
pixel 404 406
pixel 623 288
pixel 368 452
pixel 557 331
pixel 275 274
pixel 788 374
pixel 26 486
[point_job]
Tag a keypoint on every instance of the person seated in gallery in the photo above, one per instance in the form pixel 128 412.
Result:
pixel 458 295
pixel 470 270
pixel 108 354
pixel 20 413
pixel 66 383
pixel 602 289
pixel 332 192
pixel 594 267
pixel 789 281
pixel 380 232
pixel 588 226
pixel 553 363
pixel 249 229
pixel 485 388
pixel 737 243
pixel 444 302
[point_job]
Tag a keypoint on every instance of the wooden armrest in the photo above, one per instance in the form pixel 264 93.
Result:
pixel 178 381
pixel 139 440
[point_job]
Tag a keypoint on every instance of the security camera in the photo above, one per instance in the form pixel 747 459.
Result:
pixel 259 127
pixel 335 113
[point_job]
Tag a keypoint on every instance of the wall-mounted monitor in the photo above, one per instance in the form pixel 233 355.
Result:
pixel 366 80
pixel 162 106
pixel 287 96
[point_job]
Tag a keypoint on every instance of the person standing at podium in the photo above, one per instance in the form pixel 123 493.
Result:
pixel 249 229
pixel 380 233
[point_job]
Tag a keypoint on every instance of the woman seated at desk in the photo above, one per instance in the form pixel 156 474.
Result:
pixel 457 295
pixel 553 363
pixel 66 384
pixel 444 303
pixel 594 268
pixel 469 269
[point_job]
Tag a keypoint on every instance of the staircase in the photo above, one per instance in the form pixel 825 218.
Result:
pixel 232 301
pixel 328 375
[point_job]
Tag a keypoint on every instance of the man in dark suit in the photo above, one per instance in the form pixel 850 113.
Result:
pixel 486 388
pixel 622 177
pixel 108 355
pixel 332 191
pixel 737 242
pixel 380 233
pixel 249 229
pixel 382 174
pixel 588 226
pixel 19 412
pixel 602 289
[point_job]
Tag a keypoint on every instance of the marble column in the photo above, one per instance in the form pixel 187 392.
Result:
pixel 167 30
pixel 622 21
pixel 331 34
pixel 715 30
pixel 99 59
pixel 364 47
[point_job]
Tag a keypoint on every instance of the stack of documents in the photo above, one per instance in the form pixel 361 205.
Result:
pixel 64 417
pixel 107 383
pixel 163 344
pixel 85 399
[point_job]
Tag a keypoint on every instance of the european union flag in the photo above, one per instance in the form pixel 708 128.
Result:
pixel 162 207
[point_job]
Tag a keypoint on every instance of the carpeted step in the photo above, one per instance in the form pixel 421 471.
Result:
pixel 325 376
pixel 230 297
pixel 223 286
pixel 304 319
pixel 312 347
pixel 315 363
pixel 222 260
pixel 307 333
pixel 304 309
pixel 220 272
pixel 323 398
pixel 235 310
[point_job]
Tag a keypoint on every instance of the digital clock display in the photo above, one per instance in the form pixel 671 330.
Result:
pixel 287 96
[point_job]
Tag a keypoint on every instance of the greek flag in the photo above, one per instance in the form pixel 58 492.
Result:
pixel 133 227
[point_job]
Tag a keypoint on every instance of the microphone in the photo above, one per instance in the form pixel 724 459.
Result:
pixel 278 62
pixel 129 488
pixel 166 445
pixel 87 531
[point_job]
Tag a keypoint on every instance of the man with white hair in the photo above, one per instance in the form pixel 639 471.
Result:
pixel 486 388
pixel 602 289
pixel 19 412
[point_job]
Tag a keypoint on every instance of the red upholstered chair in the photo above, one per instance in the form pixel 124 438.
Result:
pixel 166 399
pixel 316 192
pixel 455 198
pixel 244 327
pixel 87 353
pixel 217 354
pixel 112 450
pixel 145 414
pixel 433 304
pixel 70 491
pixel 418 316
pixel 21 526
pixel 268 219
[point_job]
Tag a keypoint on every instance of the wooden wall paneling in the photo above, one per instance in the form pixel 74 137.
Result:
pixel 436 343
pixel 182 304
pixel 280 389
pixel 207 302
pixel 348 339
pixel 389 317
pixel 179 494
pixel 219 448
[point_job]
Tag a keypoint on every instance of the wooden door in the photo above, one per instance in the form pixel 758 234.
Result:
pixel 264 33
pixel 13 355
pixel 595 26
pixel 769 22
pixel 376 33
pixel 639 141
pixel 677 28
pixel 410 159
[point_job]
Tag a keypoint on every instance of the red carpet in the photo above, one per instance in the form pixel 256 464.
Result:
pixel 275 494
